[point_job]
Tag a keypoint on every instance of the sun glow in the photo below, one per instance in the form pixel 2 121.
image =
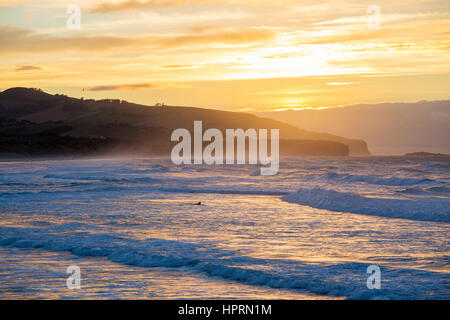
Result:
pixel 206 47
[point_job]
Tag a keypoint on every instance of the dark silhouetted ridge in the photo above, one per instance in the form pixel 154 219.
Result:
pixel 113 125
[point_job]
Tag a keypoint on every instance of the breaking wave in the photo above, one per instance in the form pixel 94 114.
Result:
pixel 415 209
pixel 341 279
pixel 371 179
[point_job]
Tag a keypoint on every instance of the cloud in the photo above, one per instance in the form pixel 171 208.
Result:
pixel 27 68
pixel 228 36
pixel 108 6
pixel 277 56
pixel 179 66
pixel 14 40
pixel 414 30
pixel 340 83
pixel 119 87
pixel 11 3
pixel 137 86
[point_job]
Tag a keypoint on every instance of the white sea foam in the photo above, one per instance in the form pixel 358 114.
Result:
pixel 344 279
pixel 373 179
pixel 416 209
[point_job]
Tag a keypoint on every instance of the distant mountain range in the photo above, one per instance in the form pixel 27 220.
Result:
pixel 389 128
pixel 35 122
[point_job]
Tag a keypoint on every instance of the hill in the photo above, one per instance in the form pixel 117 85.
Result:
pixel 389 128
pixel 117 124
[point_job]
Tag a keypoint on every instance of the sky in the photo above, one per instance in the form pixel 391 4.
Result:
pixel 246 55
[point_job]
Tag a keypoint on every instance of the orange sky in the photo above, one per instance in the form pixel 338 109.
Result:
pixel 228 54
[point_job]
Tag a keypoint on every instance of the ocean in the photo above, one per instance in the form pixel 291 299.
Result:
pixel 134 228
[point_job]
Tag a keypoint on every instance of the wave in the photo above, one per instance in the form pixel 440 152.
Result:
pixel 99 188
pixel 438 165
pixel 371 179
pixel 426 191
pixel 320 167
pixel 410 170
pixel 439 189
pixel 211 190
pixel 145 180
pixel 19 196
pixel 414 209
pixel 154 168
pixel 346 279
pixel 93 178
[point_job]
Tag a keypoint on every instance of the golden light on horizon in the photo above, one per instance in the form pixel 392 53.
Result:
pixel 184 52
